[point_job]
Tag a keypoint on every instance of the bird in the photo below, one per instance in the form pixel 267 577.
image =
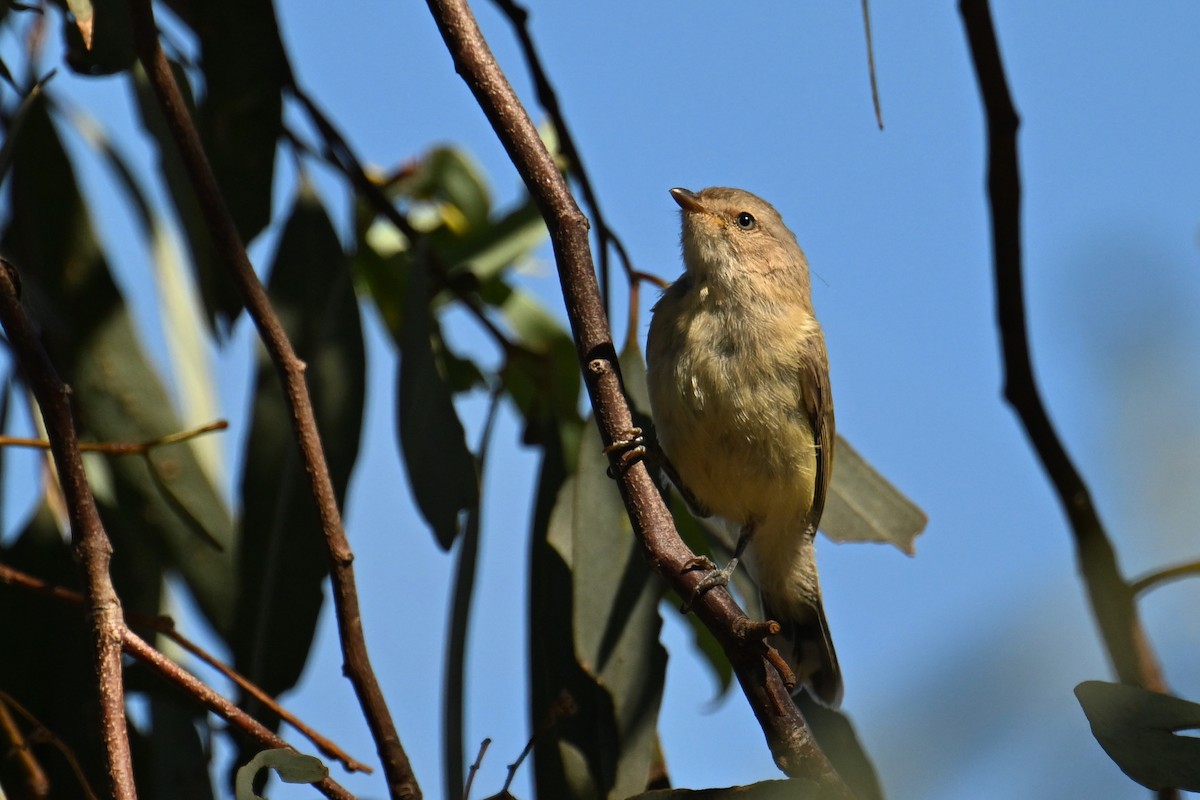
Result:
pixel 738 377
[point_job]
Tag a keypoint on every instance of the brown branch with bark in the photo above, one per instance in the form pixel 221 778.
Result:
pixel 1111 596
pixel 791 741
pixel 214 702
pixel 88 537
pixel 401 781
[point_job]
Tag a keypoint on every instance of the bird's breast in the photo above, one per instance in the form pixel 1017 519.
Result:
pixel 726 397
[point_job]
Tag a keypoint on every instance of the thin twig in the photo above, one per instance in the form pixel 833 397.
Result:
pixel 121 448
pixel 166 626
pixel 43 734
pixel 791 742
pixel 34 782
pixel 866 16
pixel 401 781
pixel 548 98
pixel 214 702
pixel 1111 597
pixel 1152 579
pixel 454 688
pixel 483 746
pixel 91 544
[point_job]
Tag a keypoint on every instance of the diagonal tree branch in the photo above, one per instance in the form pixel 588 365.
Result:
pixel 401 781
pixel 789 738
pixel 1111 596
pixel 91 544
pixel 214 702
pixel 166 626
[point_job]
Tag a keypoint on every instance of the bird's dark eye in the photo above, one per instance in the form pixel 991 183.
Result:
pixel 745 221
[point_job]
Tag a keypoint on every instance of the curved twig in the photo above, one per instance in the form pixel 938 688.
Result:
pixel 401 781
pixel 1152 579
pixel 791 742
pixel 1110 595
pixel 87 533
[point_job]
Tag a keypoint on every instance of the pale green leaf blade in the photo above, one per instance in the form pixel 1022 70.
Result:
pixel 292 767
pixel 863 506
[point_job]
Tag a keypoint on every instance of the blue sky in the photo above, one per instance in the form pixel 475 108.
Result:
pixel 959 663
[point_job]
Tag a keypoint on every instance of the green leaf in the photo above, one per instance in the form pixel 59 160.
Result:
pixel 449 176
pixel 542 376
pixel 181 316
pixel 118 395
pixel 763 790
pixel 863 506
pixel 283 559
pixel 611 745
pixel 441 469
pixel 291 766
pixel 245 70
pixel 1137 728
pixel 220 297
pixel 487 250
pixel 172 762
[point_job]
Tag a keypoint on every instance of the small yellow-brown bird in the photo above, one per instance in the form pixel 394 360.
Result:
pixel 739 390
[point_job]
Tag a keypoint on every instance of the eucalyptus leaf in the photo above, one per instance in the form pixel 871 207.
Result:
pixel 217 291
pixel 448 175
pixel 283 559
pixel 47 663
pixel 245 69
pixel 862 506
pixel 1138 729
pixel 118 395
pixel 763 790
pixel 613 748
pixel 441 469
pixel 542 375
pixel 292 767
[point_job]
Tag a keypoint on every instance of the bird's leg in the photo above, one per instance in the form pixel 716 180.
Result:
pixel 715 576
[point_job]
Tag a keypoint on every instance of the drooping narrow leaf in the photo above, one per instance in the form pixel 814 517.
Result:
pixel 240 116
pixel 863 506
pixel 181 315
pixel 118 396
pixel 47 662
pixel 441 469
pixel 283 559
pixel 219 296
pixel 610 748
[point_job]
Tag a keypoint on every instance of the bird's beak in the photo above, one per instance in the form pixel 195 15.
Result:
pixel 687 200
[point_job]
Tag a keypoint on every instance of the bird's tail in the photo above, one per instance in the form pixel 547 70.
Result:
pixel 806 645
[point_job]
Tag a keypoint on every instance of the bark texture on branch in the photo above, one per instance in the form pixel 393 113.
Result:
pixel 791 741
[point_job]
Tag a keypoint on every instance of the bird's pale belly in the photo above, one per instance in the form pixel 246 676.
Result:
pixel 744 454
